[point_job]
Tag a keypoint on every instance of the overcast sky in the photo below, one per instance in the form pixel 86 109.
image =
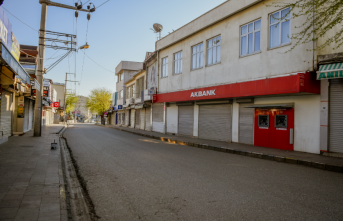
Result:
pixel 118 30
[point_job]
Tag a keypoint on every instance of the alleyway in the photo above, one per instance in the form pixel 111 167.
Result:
pixel 131 177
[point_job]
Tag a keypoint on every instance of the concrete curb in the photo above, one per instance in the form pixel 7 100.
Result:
pixel 77 208
pixel 317 165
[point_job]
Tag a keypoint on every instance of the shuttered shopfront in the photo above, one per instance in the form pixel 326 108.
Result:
pixel 336 115
pixel 148 118
pixel 31 114
pixel 137 120
pixel 6 114
pixel 246 124
pixel 132 120
pixel 215 122
pixel 186 120
pixel 26 115
pixel 142 118
pixel 126 118
pixel 157 117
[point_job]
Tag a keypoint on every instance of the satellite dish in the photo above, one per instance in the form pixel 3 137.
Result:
pixel 157 27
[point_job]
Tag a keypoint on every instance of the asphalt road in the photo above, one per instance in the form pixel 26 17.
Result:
pixel 130 177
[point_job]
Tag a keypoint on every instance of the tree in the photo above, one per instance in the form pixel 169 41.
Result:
pixel 71 101
pixel 321 16
pixel 99 102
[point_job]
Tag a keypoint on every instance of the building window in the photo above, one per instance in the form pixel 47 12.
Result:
pixel 128 92
pixel 213 50
pixel 197 56
pixel 121 77
pixel 178 63
pixel 121 94
pixel 140 87
pixel 165 67
pixel 117 78
pixel 251 38
pixel 279 28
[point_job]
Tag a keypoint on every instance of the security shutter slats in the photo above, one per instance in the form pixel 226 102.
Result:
pixel 246 124
pixel 132 123
pixel 31 114
pixel 137 120
pixel 6 113
pixel 142 116
pixel 126 118
pixel 157 117
pixel 336 116
pixel 26 115
pixel 147 118
pixel 186 120
pixel 215 122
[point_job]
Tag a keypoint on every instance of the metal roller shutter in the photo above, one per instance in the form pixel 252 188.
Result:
pixel 31 110
pixel 142 118
pixel 186 120
pixel 215 122
pixel 126 121
pixel 246 124
pixel 132 124
pixel 137 120
pixel 6 113
pixel 147 118
pixel 336 116
pixel 26 114
pixel 157 117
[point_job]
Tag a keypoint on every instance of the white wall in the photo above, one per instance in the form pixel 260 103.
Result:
pixel 196 121
pixel 306 120
pixel 172 118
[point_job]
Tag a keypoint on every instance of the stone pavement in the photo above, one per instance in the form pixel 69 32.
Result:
pixel 306 159
pixel 31 178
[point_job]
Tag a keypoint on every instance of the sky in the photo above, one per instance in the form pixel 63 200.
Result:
pixel 117 31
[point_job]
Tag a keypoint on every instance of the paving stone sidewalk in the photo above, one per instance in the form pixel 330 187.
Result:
pixel 31 178
pixel 307 159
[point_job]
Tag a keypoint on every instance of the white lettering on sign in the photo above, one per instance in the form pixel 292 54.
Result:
pixel 203 93
pixel 3 32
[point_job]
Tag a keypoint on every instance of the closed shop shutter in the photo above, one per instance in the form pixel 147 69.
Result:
pixel 137 120
pixel 336 116
pixel 157 117
pixel 123 118
pixel 142 118
pixel 31 113
pixel 26 114
pixel 246 124
pixel 132 123
pixel 127 118
pixel 186 120
pixel 6 113
pixel 147 118
pixel 215 122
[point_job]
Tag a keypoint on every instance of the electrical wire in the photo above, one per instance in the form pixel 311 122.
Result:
pixel 57 62
pixel 102 4
pixel 97 63
pixel 83 63
pixel 20 20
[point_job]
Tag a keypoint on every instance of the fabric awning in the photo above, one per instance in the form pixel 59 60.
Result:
pixel 328 71
pixel 272 106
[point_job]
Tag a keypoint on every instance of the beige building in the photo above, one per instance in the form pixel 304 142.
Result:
pixel 83 114
pixel 226 76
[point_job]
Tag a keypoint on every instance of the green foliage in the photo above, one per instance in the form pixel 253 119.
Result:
pixel 321 16
pixel 99 101
pixel 71 101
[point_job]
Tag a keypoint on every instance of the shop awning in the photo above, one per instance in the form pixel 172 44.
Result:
pixel 272 106
pixel 14 64
pixel 329 71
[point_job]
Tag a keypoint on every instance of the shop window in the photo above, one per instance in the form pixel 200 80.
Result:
pixel 281 121
pixel 263 120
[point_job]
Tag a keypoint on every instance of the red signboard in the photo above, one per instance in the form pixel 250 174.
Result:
pixel 154 98
pixel 45 93
pixel 33 92
pixel 57 104
pixel 292 84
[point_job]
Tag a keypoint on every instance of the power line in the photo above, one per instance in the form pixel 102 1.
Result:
pixel 102 4
pixel 97 63
pixel 20 20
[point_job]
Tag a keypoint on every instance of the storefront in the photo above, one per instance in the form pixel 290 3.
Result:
pixel 185 118
pixel 246 122
pixel 148 118
pixel 333 73
pixel 158 117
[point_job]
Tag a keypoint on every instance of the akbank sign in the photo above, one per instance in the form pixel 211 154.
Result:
pixel 203 93
pixel 5 30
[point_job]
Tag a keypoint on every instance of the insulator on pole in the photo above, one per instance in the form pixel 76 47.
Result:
pixel 89 16
pixel 76 14
pixel 88 7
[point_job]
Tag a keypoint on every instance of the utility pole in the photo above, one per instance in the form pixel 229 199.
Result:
pixel 65 98
pixel 38 105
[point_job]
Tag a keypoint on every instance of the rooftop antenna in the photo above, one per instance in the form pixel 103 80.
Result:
pixel 157 29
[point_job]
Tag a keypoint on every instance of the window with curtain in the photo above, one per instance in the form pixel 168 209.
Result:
pixel 213 50
pixel 251 38
pixel 197 56
pixel 279 28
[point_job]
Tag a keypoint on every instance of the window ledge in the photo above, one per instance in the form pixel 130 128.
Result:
pixel 196 69
pixel 243 56
pixel 177 74
pixel 280 46
pixel 164 77
pixel 213 64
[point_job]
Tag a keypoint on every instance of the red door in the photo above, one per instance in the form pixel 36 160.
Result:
pixel 274 128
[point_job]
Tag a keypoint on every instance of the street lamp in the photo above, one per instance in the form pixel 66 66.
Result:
pixel 86 46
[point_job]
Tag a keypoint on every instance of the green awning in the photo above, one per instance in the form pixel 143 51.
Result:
pixel 328 71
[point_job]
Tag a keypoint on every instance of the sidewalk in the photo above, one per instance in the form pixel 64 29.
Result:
pixel 31 178
pixel 334 164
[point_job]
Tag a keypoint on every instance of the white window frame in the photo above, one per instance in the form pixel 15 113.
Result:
pixel 164 67
pixel 279 22
pixel 121 76
pixel 211 48
pixel 247 40
pixel 201 56
pixel 178 63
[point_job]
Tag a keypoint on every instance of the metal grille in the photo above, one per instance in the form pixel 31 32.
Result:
pixel 147 118
pixel 186 120
pixel 215 122
pixel 132 123
pixel 138 121
pixel 142 118
pixel 246 124
pixel 6 113
pixel 336 116
pixel 157 112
